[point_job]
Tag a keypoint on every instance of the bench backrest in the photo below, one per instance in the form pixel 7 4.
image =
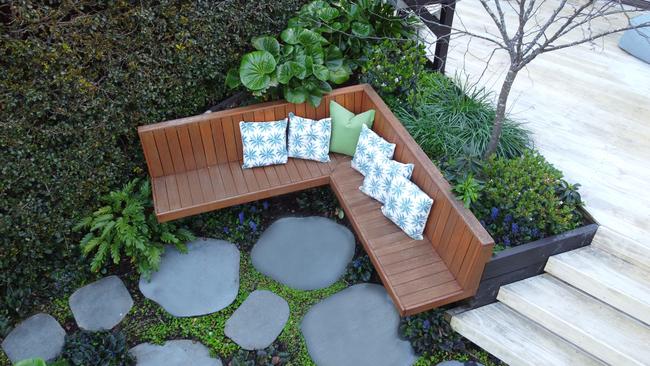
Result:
pixel 195 142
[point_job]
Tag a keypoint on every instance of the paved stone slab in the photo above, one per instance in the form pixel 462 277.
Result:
pixel 38 336
pixel 174 353
pixel 458 363
pixel 101 305
pixel 304 253
pixel 203 281
pixel 258 321
pixel 357 326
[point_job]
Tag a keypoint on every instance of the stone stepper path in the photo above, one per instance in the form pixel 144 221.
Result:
pixel 258 321
pixel 101 305
pixel 174 353
pixel 37 336
pixel 357 326
pixel 304 253
pixel 202 281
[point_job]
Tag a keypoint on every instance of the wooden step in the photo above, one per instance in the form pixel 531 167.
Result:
pixel 517 340
pixel 590 324
pixel 605 277
pixel 623 247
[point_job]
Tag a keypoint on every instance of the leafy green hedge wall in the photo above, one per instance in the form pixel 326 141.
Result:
pixel 76 79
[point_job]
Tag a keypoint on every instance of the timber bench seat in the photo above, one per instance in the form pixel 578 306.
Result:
pixel 195 167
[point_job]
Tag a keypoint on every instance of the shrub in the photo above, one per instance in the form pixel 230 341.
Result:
pixel 520 202
pixel 449 117
pixel 85 348
pixel 127 224
pixel 360 270
pixel 393 69
pixel 323 44
pixel 241 224
pixel 273 355
pixel 429 332
pixel 77 77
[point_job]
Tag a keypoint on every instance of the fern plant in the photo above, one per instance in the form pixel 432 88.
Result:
pixel 126 225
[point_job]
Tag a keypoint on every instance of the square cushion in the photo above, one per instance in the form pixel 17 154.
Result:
pixel 370 148
pixel 346 127
pixel 264 143
pixel 408 207
pixel 381 175
pixel 309 139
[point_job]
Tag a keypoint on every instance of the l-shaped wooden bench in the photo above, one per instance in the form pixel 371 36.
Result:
pixel 195 167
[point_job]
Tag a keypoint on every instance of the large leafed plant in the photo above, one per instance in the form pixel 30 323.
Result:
pixel 321 46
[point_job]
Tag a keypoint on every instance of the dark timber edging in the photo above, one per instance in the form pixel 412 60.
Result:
pixel 525 261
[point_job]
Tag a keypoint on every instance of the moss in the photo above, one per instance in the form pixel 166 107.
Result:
pixel 150 323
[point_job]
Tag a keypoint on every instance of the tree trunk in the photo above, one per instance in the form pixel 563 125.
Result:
pixel 497 126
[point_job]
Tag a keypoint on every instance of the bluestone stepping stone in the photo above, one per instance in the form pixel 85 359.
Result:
pixel 357 326
pixel 304 253
pixel 457 363
pixel 38 336
pixel 258 321
pixel 173 353
pixel 101 305
pixel 203 281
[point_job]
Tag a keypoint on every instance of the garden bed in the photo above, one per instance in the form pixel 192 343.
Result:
pixel 526 260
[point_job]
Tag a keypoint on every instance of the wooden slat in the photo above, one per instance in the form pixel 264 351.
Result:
pixel 160 190
pixel 293 171
pixel 163 151
pixel 175 150
pixel 186 148
pixel 173 194
pixel 248 179
pixel 206 185
pixel 208 143
pixel 302 169
pixel 151 154
pixel 222 172
pixel 229 138
pixel 197 146
pixel 218 138
pixel 218 183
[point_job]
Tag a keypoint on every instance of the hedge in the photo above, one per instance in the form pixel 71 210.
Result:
pixel 76 79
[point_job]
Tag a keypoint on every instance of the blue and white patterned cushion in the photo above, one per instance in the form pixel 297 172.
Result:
pixel 264 143
pixel 380 176
pixel 309 139
pixel 408 207
pixel 371 147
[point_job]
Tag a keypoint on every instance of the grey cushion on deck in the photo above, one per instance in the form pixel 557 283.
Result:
pixel 637 41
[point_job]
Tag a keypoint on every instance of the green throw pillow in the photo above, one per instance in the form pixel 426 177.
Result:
pixel 346 128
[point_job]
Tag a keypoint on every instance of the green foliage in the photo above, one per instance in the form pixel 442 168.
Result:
pixel 321 46
pixel 320 201
pixel 468 190
pixel 274 355
pixel 520 201
pixel 429 332
pixel 360 270
pixel 393 69
pixel 85 348
pixel 127 225
pixel 241 224
pixel 449 117
pixel 31 362
pixel 77 78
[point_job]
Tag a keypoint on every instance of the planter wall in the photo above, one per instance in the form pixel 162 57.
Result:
pixel 525 261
